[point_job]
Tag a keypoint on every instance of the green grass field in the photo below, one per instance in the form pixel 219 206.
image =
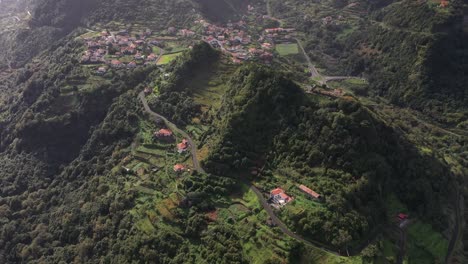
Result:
pixel 156 50
pixel 287 49
pixel 425 238
pixel 167 58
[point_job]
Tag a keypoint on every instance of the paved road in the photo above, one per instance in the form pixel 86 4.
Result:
pixel 322 79
pixel 313 70
pixel 173 127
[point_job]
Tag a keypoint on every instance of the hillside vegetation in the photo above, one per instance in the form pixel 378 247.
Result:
pixel 411 51
pixel 350 156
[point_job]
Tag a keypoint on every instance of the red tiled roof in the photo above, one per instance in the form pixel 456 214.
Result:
pixel 284 196
pixel 179 167
pixel 165 132
pixel 402 216
pixel 183 145
pixel 309 191
pixel 277 191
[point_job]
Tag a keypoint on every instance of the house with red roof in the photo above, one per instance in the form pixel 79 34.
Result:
pixel 267 45
pixel 279 197
pixel 273 30
pixel 163 133
pixel 444 3
pixel 179 168
pixel 312 194
pixel 116 63
pixel 183 146
pixel 402 216
pixel 151 57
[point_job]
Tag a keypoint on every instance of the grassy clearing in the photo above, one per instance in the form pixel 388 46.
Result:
pixel 287 49
pixel 156 50
pixel 423 236
pixel 346 32
pixel 167 58
pixel 152 151
pixel 90 34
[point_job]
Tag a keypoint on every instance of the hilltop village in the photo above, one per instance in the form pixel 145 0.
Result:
pixel 127 48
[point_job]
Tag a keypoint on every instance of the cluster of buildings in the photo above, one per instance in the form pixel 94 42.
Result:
pixel 234 39
pixel 109 47
pixel 277 35
pixel 167 134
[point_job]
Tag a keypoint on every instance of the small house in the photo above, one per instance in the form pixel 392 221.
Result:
pixel 444 3
pixel 402 217
pixel 151 57
pixel 147 91
pixel 163 133
pixel 278 196
pixel 179 168
pixel 116 63
pixel 312 194
pixel 266 45
pixel 183 146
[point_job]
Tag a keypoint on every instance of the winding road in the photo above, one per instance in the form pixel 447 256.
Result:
pixel 264 203
pixel 313 70
pixel 173 127
pixel 322 79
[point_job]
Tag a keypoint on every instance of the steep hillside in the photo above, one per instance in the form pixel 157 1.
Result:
pixel 411 51
pixel 224 10
pixel 339 147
